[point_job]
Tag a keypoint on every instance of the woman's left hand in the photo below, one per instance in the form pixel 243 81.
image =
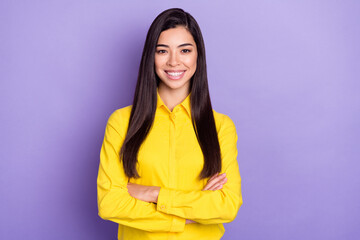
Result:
pixel 142 192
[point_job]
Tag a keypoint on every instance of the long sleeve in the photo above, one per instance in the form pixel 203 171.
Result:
pixel 210 207
pixel 114 201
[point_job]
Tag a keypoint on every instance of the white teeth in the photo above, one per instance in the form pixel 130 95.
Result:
pixel 174 73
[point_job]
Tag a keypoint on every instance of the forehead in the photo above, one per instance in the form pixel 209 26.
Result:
pixel 176 36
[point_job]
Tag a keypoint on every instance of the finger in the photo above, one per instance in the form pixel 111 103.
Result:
pixel 214 181
pixel 209 180
pixel 215 187
pixel 218 185
pixel 223 183
pixel 214 176
pixel 217 178
pixel 211 183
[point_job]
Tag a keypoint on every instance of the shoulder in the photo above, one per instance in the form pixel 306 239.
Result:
pixel 121 114
pixel 224 123
pixel 222 120
pixel 119 119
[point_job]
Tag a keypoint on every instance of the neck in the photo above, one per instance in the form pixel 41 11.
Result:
pixel 172 97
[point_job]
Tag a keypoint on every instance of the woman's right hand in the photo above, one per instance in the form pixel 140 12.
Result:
pixel 216 182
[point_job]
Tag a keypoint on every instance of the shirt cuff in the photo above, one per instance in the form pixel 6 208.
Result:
pixel 178 224
pixel 164 202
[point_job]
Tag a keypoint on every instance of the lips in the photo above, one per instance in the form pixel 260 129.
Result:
pixel 175 75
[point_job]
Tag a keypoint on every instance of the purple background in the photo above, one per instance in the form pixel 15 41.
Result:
pixel 286 72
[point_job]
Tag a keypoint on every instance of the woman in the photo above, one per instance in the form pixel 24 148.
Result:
pixel 161 158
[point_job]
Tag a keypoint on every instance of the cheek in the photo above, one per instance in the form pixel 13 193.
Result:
pixel 159 61
pixel 193 63
pixel 190 62
pixel 157 64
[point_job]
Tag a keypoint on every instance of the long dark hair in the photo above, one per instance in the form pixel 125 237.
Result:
pixel 145 97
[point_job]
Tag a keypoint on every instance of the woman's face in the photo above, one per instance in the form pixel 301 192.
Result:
pixel 175 59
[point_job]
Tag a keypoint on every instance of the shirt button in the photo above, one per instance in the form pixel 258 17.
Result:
pixel 162 206
pixel 173 116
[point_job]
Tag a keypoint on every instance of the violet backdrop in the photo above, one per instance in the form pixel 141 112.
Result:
pixel 286 72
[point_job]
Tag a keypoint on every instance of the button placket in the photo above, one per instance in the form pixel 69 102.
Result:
pixel 172 161
pixel 172 116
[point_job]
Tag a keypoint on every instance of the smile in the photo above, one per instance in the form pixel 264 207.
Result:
pixel 175 75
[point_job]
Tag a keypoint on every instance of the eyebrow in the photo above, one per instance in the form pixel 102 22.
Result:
pixel 182 45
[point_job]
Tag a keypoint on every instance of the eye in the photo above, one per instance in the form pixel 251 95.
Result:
pixel 186 50
pixel 161 51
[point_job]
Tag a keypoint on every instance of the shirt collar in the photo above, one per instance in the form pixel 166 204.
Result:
pixel 185 103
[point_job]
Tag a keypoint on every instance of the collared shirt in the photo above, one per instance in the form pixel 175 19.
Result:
pixel 170 157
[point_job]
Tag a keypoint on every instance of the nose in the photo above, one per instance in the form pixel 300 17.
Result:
pixel 173 60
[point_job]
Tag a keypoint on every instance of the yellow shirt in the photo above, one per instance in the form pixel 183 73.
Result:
pixel 171 158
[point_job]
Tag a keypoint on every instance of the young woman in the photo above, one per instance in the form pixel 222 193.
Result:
pixel 168 167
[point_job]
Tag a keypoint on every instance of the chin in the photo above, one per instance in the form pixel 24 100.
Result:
pixel 175 87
